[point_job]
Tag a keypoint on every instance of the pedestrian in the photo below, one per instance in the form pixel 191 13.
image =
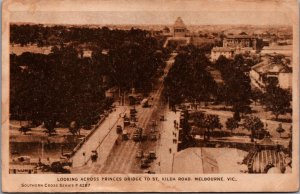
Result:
pixel 170 150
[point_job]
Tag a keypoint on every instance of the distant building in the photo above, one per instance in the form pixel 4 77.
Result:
pixel 216 52
pixel 203 160
pixel 180 35
pixel 179 28
pixel 167 31
pixel 265 72
pixel 268 158
pixel 85 54
pixel 17 49
pixel 240 41
pixel 233 45
pixel 285 50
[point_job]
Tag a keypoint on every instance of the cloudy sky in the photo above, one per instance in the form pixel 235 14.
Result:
pixel 258 12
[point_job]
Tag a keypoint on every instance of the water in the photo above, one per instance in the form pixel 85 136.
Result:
pixel 35 149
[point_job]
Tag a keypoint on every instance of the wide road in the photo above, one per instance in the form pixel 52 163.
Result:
pixel 122 158
pixel 102 134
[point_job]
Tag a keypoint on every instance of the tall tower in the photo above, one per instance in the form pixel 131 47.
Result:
pixel 179 28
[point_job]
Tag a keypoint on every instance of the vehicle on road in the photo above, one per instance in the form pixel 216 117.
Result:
pixel 144 163
pixel 145 103
pixel 126 121
pixel 125 135
pixel 106 113
pixel 144 137
pixel 153 137
pixel 133 111
pixel 94 155
pixel 136 137
pixel 58 167
pixel 147 158
pixel 152 155
pixel 139 154
pixel 138 131
pixel 119 129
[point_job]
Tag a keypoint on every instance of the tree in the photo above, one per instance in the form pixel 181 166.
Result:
pixel 74 128
pixel 211 122
pixel 232 124
pixel 280 129
pixel 277 100
pixel 236 116
pixel 256 95
pixel 253 124
pixel 189 79
pixel 24 129
pixel 50 126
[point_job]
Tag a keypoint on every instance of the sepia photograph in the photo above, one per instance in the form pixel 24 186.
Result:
pixel 183 91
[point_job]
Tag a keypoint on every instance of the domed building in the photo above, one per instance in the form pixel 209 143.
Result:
pixel 179 28
pixel 267 157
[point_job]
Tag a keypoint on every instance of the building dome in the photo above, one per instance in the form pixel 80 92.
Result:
pixel 179 23
pixel 274 170
pixel 263 160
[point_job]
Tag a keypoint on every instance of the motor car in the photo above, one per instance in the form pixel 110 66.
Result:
pixel 119 129
pixel 138 130
pixel 152 155
pixel 144 137
pixel 144 163
pixel 136 137
pixel 57 167
pixel 133 111
pixel 125 135
pixel 94 155
pixel 126 121
pixel 153 137
pixel 147 157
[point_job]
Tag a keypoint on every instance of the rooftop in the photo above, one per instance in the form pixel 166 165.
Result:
pixel 179 23
pixel 267 66
pixel 277 47
pixel 222 49
pixel 240 37
pixel 208 160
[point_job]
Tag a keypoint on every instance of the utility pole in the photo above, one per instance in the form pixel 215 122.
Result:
pixel 42 149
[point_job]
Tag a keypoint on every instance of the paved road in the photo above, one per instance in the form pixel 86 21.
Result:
pixel 100 138
pixel 167 144
pixel 123 159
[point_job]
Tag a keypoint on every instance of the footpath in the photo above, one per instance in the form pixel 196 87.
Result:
pixel 102 140
pixel 167 143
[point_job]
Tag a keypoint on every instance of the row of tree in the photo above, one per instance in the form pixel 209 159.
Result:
pixel 59 34
pixel 188 79
pixel 65 87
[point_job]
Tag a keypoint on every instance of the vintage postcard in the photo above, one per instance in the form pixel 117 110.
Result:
pixel 150 96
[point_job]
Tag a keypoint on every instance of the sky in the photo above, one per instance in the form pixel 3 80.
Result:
pixel 193 12
pixel 152 17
